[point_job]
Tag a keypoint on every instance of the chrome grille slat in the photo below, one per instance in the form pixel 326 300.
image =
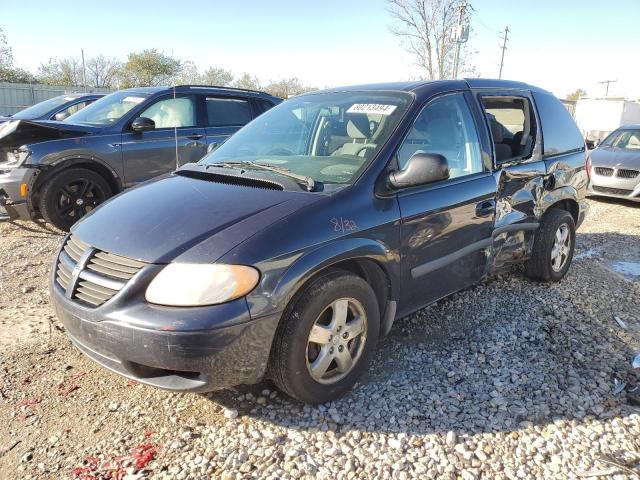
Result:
pixel 604 171
pixel 104 274
pixel 626 173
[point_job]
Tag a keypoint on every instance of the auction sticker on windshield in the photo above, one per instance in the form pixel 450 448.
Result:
pixel 133 99
pixel 376 108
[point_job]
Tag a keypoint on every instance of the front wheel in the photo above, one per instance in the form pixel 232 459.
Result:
pixel 326 338
pixel 70 195
pixel 553 247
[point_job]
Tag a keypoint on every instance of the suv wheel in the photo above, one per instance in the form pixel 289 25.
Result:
pixel 70 195
pixel 553 247
pixel 326 338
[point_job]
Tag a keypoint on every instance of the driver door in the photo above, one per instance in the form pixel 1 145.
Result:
pixel 446 226
pixel 177 139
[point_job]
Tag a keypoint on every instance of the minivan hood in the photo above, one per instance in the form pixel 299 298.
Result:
pixel 164 218
pixel 15 133
pixel 614 157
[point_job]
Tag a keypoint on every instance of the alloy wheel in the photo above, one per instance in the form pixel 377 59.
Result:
pixel 561 248
pixel 79 197
pixel 336 340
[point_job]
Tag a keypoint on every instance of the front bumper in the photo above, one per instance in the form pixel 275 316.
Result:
pixel 182 349
pixel 12 204
pixel 614 186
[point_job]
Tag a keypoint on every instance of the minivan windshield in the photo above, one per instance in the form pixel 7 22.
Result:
pixel 625 138
pixel 109 109
pixel 328 137
pixel 41 108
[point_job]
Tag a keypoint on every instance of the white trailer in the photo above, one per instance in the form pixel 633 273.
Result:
pixel 597 117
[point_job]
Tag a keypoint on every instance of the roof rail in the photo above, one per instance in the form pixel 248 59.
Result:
pixel 233 89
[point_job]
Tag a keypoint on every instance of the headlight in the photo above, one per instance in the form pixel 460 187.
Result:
pixel 193 284
pixel 15 158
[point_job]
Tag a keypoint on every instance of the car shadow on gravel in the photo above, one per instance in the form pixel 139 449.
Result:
pixel 507 354
pixel 37 227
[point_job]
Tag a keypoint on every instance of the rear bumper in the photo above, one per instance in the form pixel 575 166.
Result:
pixel 154 345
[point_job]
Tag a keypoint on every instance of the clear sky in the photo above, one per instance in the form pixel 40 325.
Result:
pixel 560 45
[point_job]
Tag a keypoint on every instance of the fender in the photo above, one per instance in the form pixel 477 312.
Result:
pixel 70 160
pixel 309 264
pixel 551 197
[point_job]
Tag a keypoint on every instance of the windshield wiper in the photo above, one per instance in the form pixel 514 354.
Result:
pixel 307 181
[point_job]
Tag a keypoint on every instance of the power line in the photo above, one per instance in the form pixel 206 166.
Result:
pixel 504 47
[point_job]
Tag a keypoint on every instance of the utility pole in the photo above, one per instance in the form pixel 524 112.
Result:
pixel 607 82
pixel 504 47
pixel 460 36
pixel 84 72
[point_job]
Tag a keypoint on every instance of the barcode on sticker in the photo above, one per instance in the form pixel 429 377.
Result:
pixel 375 108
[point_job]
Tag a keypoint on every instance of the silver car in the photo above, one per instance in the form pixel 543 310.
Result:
pixel 614 166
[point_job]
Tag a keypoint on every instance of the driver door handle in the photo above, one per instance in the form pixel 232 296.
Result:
pixel 486 208
pixel 195 136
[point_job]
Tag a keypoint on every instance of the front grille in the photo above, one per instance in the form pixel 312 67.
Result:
pixel 623 173
pixel 613 191
pixel 101 275
pixel 604 171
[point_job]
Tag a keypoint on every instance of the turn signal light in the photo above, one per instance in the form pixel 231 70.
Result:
pixel 23 190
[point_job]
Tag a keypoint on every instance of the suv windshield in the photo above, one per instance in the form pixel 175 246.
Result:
pixel 626 138
pixel 328 137
pixel 108 110
pixel 41 108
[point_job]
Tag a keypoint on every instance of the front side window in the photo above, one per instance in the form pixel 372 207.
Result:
pixel 445 127
pixel 172 113
pixel 512 126
pixel 329 137
pixel 109 109
pixel 627 138
pixel 226 112
pixel 76 107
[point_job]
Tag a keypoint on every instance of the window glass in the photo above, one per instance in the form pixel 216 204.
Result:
pixel 445 126
pixel 560 133
pixel 108 109
pixel 330 137
pixel 627 138
pixel 75 108
pixel 512 126
pixel 41 108
pixel 224 112
pixel 172 113
pixel 263 105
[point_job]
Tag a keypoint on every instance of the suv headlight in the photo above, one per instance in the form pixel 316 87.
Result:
pixel 15 158
pixel 193 284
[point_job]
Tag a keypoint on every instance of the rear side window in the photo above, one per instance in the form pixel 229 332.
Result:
pixel 227 112
pixel 559 132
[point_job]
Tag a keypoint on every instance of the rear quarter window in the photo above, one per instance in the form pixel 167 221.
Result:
pixel 560 133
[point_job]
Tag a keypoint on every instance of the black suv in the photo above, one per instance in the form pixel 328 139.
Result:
pixel 293 247
pixel 63 170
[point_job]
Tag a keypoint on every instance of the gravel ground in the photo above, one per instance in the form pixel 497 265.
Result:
pixel 511 379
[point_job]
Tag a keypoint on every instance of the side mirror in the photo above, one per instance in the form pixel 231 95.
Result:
pixel 421 168
pixel 60 116
pixel 142 124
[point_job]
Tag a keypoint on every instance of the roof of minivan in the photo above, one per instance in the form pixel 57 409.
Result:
pixel 422 85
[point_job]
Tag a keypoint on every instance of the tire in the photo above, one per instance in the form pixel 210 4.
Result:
pixel 543 265
pixel 295 355
pixel 70 195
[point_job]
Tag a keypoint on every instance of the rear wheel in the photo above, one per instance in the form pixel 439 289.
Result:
pixel 70 195
pixel 326 338
pixel 553 247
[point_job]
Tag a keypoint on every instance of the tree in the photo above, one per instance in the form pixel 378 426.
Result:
pixel 8 71
pixel 149 68
pixel 103 72
pixel 577 94
pixel 287 87
pixel 66 72
pixel 248 82
pixel 217 76
pixel 426 28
